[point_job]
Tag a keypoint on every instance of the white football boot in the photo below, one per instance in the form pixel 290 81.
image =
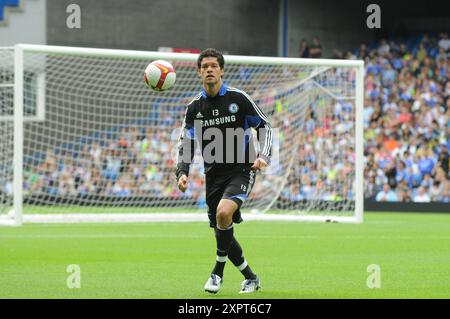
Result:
pixel 250 285
pixel 213 284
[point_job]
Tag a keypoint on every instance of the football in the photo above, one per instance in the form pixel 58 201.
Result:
pixel 159 75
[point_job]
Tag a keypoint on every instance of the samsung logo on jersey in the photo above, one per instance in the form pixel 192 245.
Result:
pixel 219 120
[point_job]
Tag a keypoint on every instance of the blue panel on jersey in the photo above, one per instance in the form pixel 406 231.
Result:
pixel 253 120
pixel 250 121
pixel 222 91
pixel 246 136
pixel 191 133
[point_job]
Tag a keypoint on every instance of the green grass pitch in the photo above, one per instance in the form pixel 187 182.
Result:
pixel 173 260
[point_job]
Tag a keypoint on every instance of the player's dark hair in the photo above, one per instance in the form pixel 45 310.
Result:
pixel 211 53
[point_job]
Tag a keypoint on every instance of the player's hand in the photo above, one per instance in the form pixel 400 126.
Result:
pixel 259 164
pixel 182 183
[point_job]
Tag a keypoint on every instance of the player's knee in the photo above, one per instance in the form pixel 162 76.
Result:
pixel 223 218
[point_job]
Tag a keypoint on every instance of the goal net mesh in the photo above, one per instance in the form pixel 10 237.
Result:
pixel 6 129
pixel 97 140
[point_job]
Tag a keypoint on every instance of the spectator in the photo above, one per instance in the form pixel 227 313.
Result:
pixel 384 48
pixel 388 75
pixel 386 194
pixel 303 49
pixel 437 191
pixel 315 50
pixel 363 52
pixel 427 181
pixel 95 153
pixel 422 53
pixel 403 192
pixel 441 56
pixel 391 174
pixel 444 43
pixel 422 196
pixel 350 56
pixel 426 165
pixel 402 172
pixel 443 159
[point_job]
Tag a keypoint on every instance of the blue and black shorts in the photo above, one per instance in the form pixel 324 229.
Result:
pixel 236 185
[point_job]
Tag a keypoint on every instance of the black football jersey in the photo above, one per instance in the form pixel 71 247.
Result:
pixel 222 127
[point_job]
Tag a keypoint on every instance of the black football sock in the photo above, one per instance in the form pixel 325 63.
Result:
pixel 236 255
pixel 223 240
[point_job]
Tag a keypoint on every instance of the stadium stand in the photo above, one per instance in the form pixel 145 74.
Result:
pixel 7 3
pixel 406 117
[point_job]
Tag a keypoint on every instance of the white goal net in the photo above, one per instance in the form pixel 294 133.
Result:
pixel 97 145
pixel 6 129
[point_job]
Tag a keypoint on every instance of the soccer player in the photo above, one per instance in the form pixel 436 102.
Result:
pixel 230 167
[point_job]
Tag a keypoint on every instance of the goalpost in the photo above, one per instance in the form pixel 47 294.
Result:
pixel 84 139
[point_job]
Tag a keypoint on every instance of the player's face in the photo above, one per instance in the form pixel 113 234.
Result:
pixel 210 71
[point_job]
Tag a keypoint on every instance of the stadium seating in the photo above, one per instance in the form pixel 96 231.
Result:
pixel 407 119
pixel 407 125
pixel 7 3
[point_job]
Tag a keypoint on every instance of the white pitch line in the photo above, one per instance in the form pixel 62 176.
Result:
pixel 168 217
pixel 144 236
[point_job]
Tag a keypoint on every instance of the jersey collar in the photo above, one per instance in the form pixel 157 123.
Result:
pixel 222 91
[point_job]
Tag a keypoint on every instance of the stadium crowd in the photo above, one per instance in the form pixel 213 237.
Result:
pixel 407 119
pixel 407 129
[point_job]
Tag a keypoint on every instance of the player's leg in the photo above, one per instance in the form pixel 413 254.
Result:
pixel 237 191
pixel 224 233
pixel 214 193
pixel 225 211
pixel 251 282
pixel 236 256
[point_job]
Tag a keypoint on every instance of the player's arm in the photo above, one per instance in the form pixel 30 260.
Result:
pixel 258 120
pixel 186 149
